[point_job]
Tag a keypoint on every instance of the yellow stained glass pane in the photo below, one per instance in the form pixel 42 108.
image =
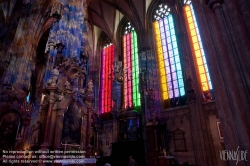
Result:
pixel 193 32
pixel 161 64
pixel 188 13
pixel 195 39
pixel 204 86
pixel 203 78
pixel 164 87
pixel 191 25
pixel 165 95
pixel 201 69
pixel 199 61
pixel 162 72
pixel 196 46
pixel 198 54
pixel 190 20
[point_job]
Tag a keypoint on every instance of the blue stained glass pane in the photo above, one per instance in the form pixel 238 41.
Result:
pixel 176 52
pixel 206 68
pixel 199 38
pixel 208 76
pixel 204 60
pixel 178 65
pixel 177 59
pixel 173 38
pixel 174 45
pixel 181 83
pixel 210 84
pixel 202 52
pixel 182 91
pixel 172 31
pixel 170 19
pixel 179 74
pixel 171 26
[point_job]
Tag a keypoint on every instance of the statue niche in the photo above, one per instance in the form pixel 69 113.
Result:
pixel 72 125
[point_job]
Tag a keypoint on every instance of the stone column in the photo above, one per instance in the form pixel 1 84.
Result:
pixel 233 104
pixel 88 134
pixel 59 128
pixel 47 133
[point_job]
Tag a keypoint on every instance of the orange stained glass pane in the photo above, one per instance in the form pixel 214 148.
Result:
pixel 198 53
pixel 201 69
pixel 196 46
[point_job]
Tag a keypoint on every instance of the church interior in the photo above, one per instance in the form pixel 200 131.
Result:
pixel 164 81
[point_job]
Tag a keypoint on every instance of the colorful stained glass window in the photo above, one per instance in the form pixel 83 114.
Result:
pixel 131 65
pixel 107 74
pixel 170 70
pixel 198 50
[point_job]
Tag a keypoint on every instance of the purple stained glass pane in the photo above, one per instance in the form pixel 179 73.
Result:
pixel 164 48
pixel 175 84
pixel 171 94
pixel 162 30
pixel 169 77
pixel 161 23
pixel 169 46
pixel 176 92
pixel 163 42
pixel 167 67
pixel 174 76
pixel 170 87
pixel 173 68
pixel 171 60
pixel 165 55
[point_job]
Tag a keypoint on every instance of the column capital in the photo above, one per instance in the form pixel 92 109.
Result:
pixel 213 3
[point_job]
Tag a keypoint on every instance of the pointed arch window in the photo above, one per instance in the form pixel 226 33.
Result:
pixel 170 70
pixel 107 61
pixel 131 92
pixel 198 51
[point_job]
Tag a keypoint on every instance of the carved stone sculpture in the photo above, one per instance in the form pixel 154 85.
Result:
pixel 35 133
pixel 54 77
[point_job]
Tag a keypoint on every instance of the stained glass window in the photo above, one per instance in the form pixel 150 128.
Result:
pixel 131 66
pixel 198 50
pixel 107 55
pixel 170 70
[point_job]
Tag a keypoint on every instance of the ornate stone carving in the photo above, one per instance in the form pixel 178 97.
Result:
pixel 54 77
